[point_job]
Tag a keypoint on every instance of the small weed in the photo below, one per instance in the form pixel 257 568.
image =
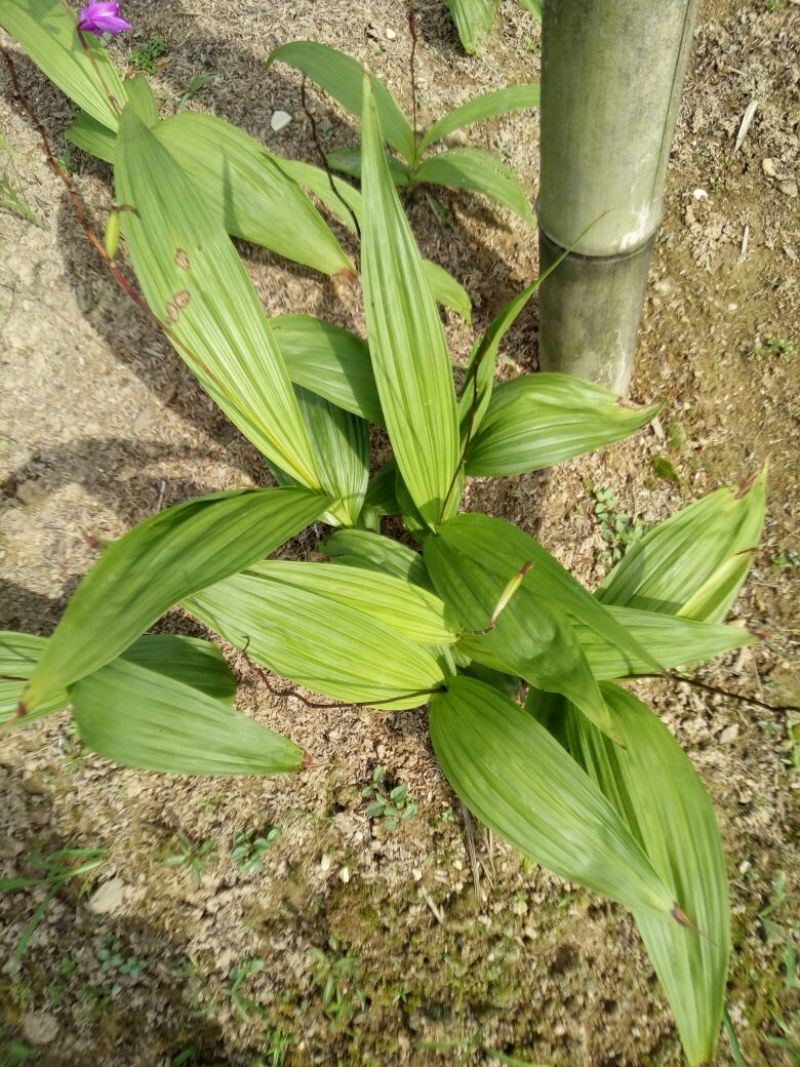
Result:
pixel 336 975
pixel 664 469
pixel 392 804
pixel 776 348
pixel 243 1005
pixel 785 559
pixel 676 437
pixel 13 1051
pixel 250 847
pixel 147 55
pixel 55 869
pixel 11 199
pixel 619 530
pixel 194 857
pixel 278 1044
pixel 197 84
pixel 116 964
pixel 774 5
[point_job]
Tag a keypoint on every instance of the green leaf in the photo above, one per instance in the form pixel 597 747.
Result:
pixel 245 190
pixel 199 290
pixel 189 660
pixel 695 563
pixel 343 78
pixel 318 642
pixel 92 136
pixel 656 790
pixel 408 608
pixel 341 444
pixel 473 20
pixel 406 339
pixel 447 290
pixel 487 106
pixel 168 556
pixel 521 783
pixel 477 171
pixel 511 629
pixel 537 420
pixel 373 551
pixel 141 718
pixel 19 654
pixel 329 361
pixel 348 161
pixel 671 641
pixel 534 6
pixel 79 64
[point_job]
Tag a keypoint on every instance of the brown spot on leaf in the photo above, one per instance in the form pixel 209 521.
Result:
pixel 182 298
pixel 182 259
pixel 172 311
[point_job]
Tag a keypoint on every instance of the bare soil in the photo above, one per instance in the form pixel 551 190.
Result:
pixel 371 944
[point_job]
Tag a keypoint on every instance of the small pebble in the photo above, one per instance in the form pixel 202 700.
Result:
pixel 390 33
pixel 280 120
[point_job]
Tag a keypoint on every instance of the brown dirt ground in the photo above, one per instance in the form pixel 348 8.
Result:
pixel 101 424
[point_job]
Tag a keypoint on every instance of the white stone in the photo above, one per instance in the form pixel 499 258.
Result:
pixel 39 1027
pixel 280 120
pixel 109 898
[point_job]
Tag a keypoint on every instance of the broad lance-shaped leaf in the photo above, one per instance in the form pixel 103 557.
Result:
pixel 510 629
pixel 197 287
pixel 373 551
pixel 187 659
pixel 348 161
pixel 329 361
pixel 521 783
pixel 671 642
pixel 480 108
pixel 169 556
pixel 473 19
pixel 140 718
pixel 537 420
pixel 406 339
pixel 343 78
pixel 414 612
pixel 695 563
pixel 656 791
pixel 79 65
pixel 318 641
pixel 477 171
pixel 345 203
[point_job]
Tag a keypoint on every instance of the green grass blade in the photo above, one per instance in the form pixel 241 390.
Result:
pixel 198 288
pixel 80 66
pixel 537 420
pixel 695 563
pixel 480 108
pixel 142 718
pixel 522 784
pixel 477 171
pixel 165 558
pixel 407 344
pixel 343 78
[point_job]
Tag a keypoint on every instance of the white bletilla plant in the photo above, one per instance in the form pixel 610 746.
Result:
pixel 519 665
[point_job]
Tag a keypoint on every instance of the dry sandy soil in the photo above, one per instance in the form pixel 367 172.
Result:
pixel 371 945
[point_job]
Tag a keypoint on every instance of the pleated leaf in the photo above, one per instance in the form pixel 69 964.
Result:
pixel 659 795
pixel 245 190
pixel 79 65
pixel 318 642
pixel 341 444
pixel 196 285
pixel 671 641
pixel 447 290
pixel 480 108
pixel 407 344
pixel 143 719
pixel 373 551
pixel 144 573
pixel 695 563
pixel 477 171
pixel 343 78
pixel 473 20
pixel 19 654
pixel 537 420
pixel 522 784
pixel 528 636
pixel 348 161
pixel 329 361
pixel 412 611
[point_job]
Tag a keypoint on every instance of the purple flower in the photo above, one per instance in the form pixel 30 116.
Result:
pixel 102 18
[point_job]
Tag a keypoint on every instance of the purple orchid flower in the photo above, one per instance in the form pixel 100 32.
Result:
pixel 102 18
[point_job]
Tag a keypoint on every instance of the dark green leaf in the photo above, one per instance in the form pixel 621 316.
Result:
pixel 477 171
